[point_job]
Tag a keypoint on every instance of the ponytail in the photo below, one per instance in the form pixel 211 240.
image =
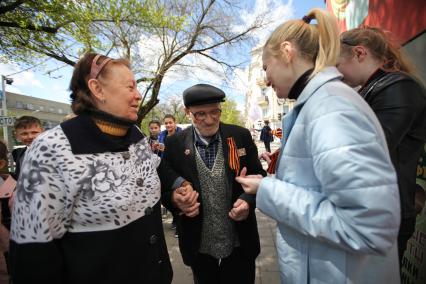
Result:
pixel 328 43
pixel 318 43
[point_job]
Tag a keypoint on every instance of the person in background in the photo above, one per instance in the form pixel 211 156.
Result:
pixel 87 204
pixel 4 231
pixel 218 236
pixel 266 136
pixel 370 59
pixel 154 130
pixel 27 128
pixel 335 192
pixel 171 129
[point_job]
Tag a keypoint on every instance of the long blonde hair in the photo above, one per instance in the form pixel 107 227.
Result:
pixel 318 43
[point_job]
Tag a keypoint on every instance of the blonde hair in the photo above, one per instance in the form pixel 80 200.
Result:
pixel 318 43
pixel 381 45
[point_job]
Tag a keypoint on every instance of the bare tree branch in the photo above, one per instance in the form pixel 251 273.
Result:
pixel 10 7
pixel 230 40
pixel 182 43
pixel 216 60
pixel 51 30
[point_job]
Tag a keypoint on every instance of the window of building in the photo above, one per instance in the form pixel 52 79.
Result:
pixel 286 109
pixel 30 106
pixel 51 109
pixel 262 75
pixel 41 108
pixel 61 111
pixel 19 104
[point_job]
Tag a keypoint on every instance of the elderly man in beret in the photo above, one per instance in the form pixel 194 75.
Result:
pixel 218 236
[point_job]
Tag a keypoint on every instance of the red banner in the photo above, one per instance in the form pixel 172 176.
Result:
pixel 405 19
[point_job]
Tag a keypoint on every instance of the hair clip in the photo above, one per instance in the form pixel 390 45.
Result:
pixel 306 19
pixel 96 68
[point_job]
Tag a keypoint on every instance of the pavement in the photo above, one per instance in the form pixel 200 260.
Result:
pixel 266 263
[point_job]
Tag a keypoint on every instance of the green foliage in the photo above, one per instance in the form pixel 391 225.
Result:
pixel 230 113
pixel 64 29
pixel 32 30
pixel 154 114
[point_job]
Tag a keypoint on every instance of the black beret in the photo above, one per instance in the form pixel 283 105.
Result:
pixel 202 94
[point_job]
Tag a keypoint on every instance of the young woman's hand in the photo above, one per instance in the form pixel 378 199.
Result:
pixel 250 183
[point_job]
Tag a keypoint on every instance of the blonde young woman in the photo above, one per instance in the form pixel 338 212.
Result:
pixel 335 190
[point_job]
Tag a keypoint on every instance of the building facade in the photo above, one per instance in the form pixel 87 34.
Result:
pixel 261 102
pixel 49 112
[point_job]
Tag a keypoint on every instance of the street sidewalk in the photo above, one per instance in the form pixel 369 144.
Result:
pixel 266 263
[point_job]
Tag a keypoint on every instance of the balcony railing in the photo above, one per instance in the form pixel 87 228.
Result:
pixel 261 82
pixel 263 100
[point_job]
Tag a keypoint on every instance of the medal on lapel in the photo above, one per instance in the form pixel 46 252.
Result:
pixel 241 152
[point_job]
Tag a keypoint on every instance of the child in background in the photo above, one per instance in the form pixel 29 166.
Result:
pixel 154 130
pixel 27 128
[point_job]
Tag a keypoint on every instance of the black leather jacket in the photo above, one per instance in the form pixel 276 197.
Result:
pixel 399 102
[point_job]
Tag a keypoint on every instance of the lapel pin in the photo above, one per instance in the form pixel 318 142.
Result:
pixel 187 152
pixel 241 152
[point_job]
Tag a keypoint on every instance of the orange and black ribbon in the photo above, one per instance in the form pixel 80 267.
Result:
pixel 234 159
pixel 278 132
pixel 274 158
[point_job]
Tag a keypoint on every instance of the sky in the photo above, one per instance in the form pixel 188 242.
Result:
pixel 54 86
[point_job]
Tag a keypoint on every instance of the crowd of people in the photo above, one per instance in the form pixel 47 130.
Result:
pixel 87 203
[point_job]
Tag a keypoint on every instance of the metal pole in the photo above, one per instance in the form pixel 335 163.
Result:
pixel 4 108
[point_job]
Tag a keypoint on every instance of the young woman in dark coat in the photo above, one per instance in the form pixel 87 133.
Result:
pixel 371 59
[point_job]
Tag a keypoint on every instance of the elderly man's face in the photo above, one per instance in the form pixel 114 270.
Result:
pixel 206 118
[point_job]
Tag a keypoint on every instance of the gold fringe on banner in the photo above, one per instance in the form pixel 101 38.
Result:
pixel 278 132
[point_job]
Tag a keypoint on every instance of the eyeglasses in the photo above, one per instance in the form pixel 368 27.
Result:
pixel 202 115
pixel 96 68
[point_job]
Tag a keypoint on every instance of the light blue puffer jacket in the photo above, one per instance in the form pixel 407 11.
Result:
pixel 335 195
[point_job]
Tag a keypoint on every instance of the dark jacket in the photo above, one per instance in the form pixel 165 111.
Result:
pixel 183 153
pixel 266 135
pixel 162 137
pixel 400 105
pixel 18 157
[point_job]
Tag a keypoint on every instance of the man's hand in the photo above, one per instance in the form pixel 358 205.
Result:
pixel 249 183
pixel 185 198
pixel 240 211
